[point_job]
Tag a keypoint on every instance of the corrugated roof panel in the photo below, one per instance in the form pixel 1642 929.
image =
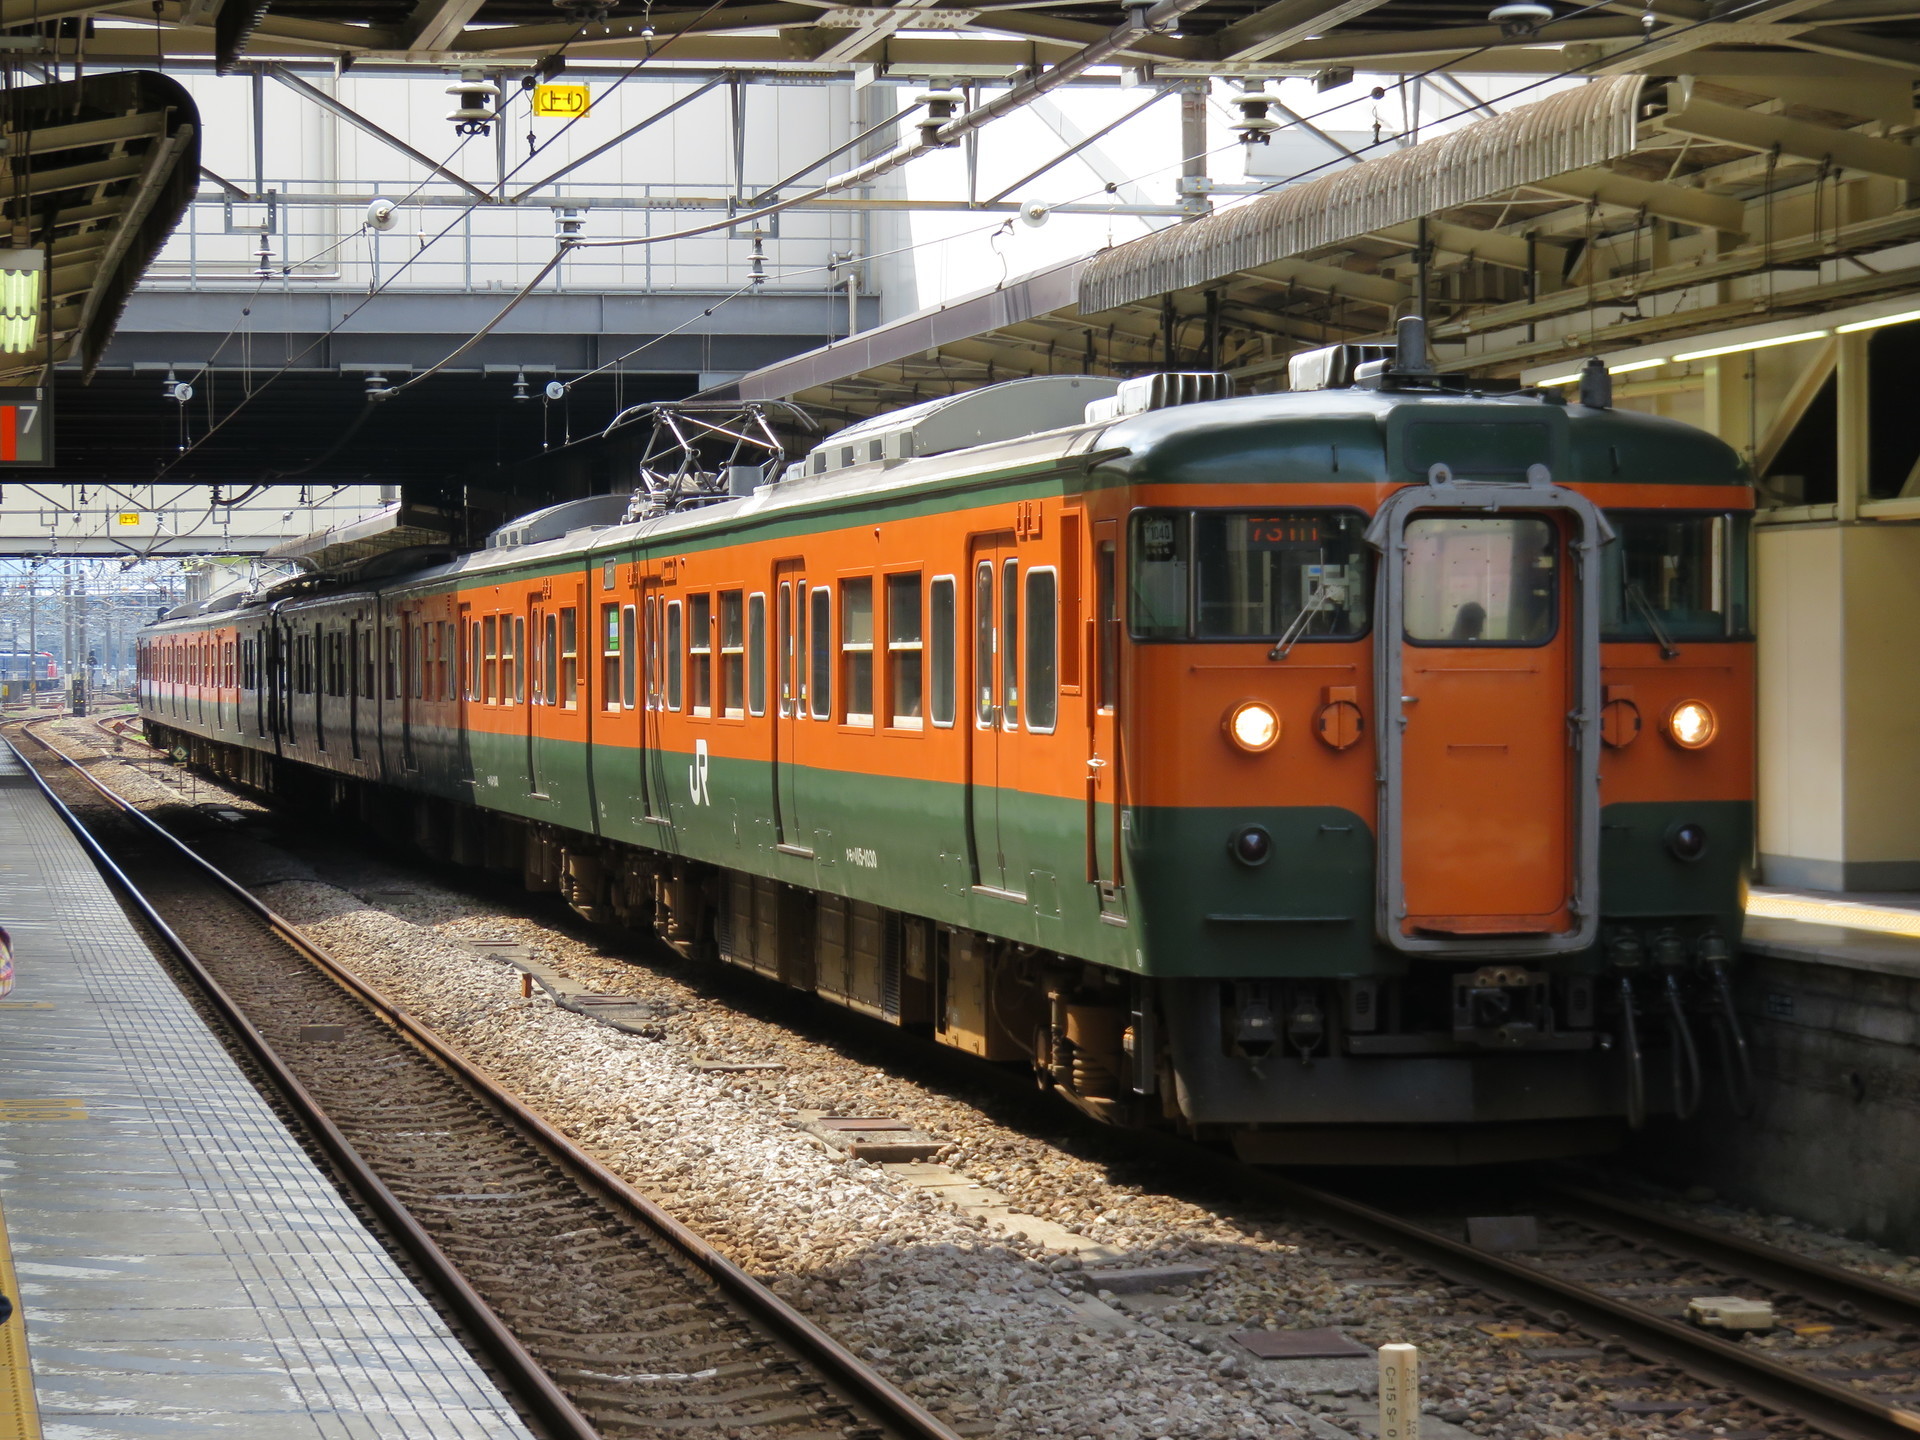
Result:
pixel 1569 131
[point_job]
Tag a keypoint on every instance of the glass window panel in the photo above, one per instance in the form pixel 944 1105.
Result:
pixel 856 646
pixel 905 660
pixel 733 654
pixel 673 654
pixel 983 642
pixel 1260 575
pixel 550 662
pixel 757 655
pixel 1689 571
pixel 788 651
pixel 1043 649
pixel 1010 644
pixel 629 656
pixel 1481 580
pixel 940 638
pixel 1107 639
pixel 1158 546
pixel 821 654
pixel 700 652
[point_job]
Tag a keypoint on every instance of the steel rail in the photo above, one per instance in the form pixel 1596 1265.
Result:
pixel 1833 1408
pixel 1848 1291
pixel 859 1383
pixel 524 1374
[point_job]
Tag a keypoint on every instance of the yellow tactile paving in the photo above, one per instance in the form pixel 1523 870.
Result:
pixel 1835 912
pixel 50 1109
pixel 19 1414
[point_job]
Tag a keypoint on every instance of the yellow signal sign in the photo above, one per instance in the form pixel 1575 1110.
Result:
pixel 565 101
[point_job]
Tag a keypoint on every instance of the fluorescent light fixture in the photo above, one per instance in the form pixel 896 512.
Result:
pixel 20 272
pixel 1902 318
pixel 1753 345
pixel 1626 369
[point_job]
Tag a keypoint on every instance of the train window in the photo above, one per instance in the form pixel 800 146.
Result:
pixel 392 652
pixel 449 660
pixel 610 657
pixel 1043 649
pixel 783 646
pixel 476 661
pixel 1158 590
pixel 856 651
pixel 757 654
pixel 1106 580
pixel 733 655
pixel 1010 645
pixel 490 658
pixel 653 655
pixel 1675 577
pixel 1245 575
pixel 629 656
pixel 940 637
pixel 569 657
pixel 515 670
pixel 983 641
pixel 700 653
pixel 673 654
pixel 1481 580
pixel 820 657
pixel 906 658
pixel 550 661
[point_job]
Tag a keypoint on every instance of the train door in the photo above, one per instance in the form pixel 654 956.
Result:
pixel 1492 652
pixel 1103 717
pixel 536 697
pixel 555 752
pixel 994 673
pixel 356 637
pixel 466 662
pixel 660 626
pixel 790 661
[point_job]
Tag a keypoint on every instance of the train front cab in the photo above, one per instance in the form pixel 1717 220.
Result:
pixel 1442 804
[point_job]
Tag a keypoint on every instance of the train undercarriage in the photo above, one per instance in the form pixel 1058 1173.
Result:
pixel 1445 1064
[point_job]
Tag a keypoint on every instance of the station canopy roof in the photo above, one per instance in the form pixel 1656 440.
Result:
pixel 1621 212
pixel 100 171
pixel 950 39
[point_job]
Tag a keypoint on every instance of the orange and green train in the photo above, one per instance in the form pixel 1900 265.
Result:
pixel 1357 773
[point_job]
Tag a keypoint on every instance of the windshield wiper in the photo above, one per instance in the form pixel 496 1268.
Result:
pixel 1667 649
pixel 1315 604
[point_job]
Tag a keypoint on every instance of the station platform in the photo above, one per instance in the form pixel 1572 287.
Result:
pixel 179 1266
pixel 1855 930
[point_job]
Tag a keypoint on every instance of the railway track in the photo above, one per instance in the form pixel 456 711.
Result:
pixel 605 1316
pixel 1845 1360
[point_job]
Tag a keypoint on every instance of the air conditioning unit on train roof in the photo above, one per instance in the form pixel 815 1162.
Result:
pixel 1161 392
pixel 1007 411
pixel 1332 367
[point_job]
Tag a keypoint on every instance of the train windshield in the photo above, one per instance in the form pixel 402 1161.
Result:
pixel 1677 577
pixel 1248 574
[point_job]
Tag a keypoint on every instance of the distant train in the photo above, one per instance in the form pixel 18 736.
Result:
pixel 38 665
pixel 1357 773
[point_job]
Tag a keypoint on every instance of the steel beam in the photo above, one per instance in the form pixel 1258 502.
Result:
pixel 1273 30
pixel 1687 114
pixel 360 122
pixel 1669 202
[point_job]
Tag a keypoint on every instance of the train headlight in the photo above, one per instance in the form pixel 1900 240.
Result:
pixel 1251 845
pixel 1692 725
pixel 1253 726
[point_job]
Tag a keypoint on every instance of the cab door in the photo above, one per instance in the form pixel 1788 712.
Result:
pixel 1488 647
pixel 1486 672
pixel 994 676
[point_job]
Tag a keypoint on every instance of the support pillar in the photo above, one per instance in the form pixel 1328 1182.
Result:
pixel 1839 706
pixel 1853 428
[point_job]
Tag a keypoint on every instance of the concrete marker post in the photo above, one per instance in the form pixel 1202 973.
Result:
pixel 1399 1392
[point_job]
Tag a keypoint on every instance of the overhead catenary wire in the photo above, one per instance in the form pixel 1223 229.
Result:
pixel 1004 103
